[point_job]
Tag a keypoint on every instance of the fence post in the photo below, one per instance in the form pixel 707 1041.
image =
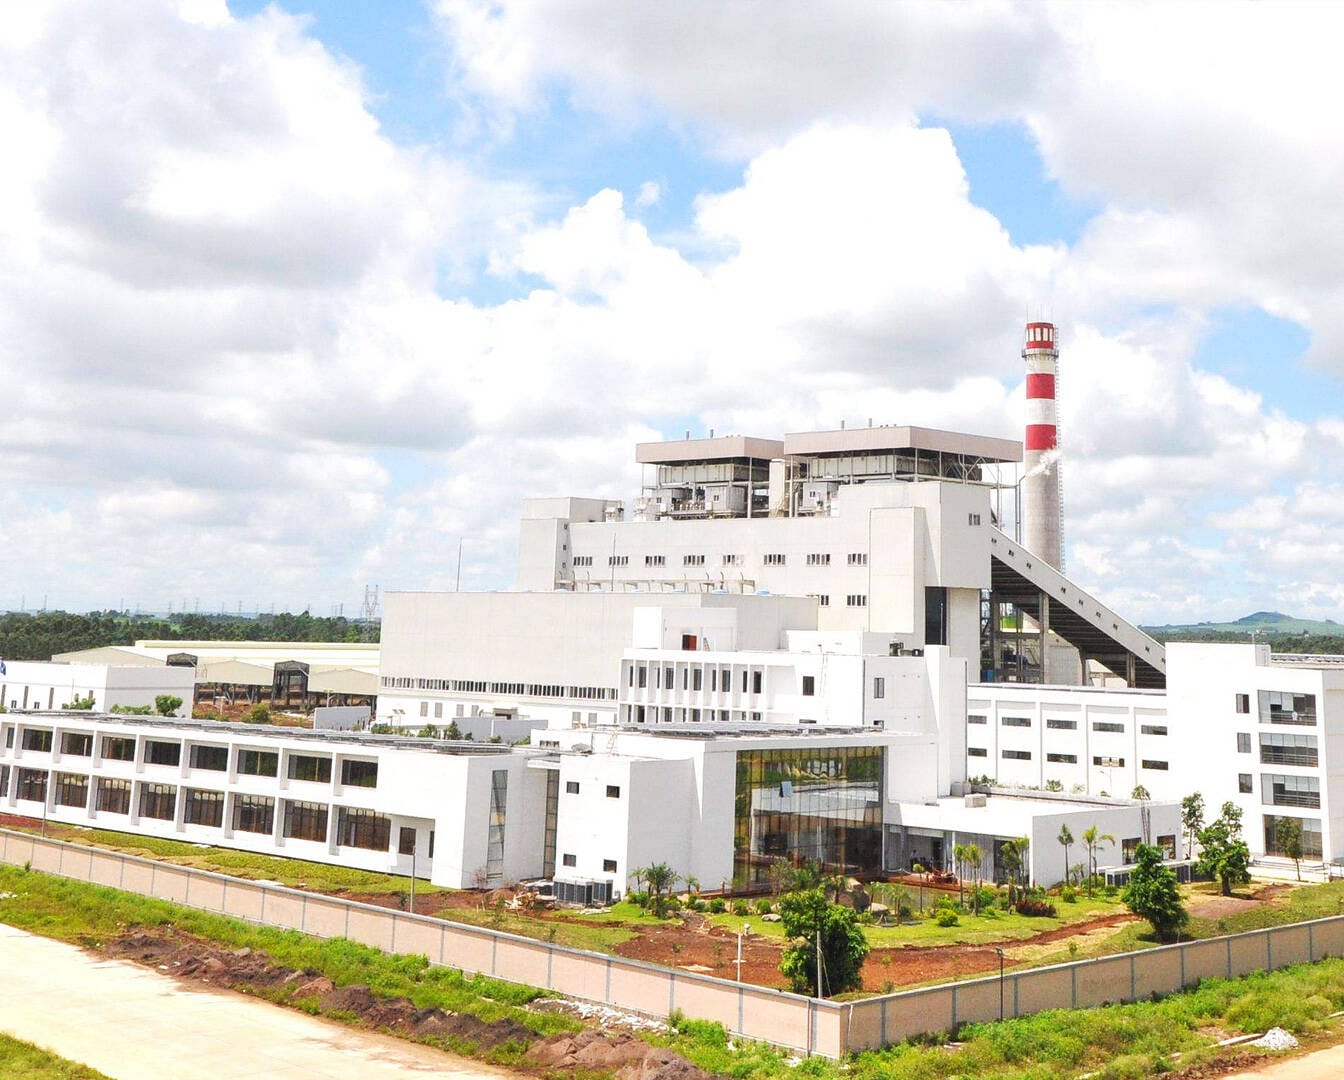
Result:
pixel 606 993
pixel 1311 942
pixel 1073 989
pixel 392 945
pixel 1269 950
pixel 1133 982
pixel 153 877
pixel 1229 956
pixel 303 914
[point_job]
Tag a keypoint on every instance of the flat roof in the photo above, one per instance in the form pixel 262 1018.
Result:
pixel 722 448
pixel 896 437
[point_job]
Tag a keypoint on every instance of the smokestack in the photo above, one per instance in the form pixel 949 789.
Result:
pixel 1042 522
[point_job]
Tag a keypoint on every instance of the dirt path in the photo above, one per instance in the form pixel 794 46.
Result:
pixel 1319 1065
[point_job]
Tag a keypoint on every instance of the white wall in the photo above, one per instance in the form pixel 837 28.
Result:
pixel 30 684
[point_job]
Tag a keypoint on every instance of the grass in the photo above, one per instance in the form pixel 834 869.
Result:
pixel 593 938
pixel 24 1061
pixel 1120 1042
pixel 320 877
pixel 90 914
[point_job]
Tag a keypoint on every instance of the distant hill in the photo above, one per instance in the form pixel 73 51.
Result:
pixel 1269 623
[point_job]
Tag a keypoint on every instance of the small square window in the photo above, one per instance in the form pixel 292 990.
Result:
pixel 571 787
pixel 613 791
pixel 609 866
pixel 1243 742
pixel 570 860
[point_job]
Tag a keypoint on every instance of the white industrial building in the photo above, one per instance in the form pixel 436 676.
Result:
pixel 46 685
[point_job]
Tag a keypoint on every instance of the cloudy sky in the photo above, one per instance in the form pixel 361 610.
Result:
pixel 294 296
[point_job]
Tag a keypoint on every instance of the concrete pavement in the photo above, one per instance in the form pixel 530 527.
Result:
pixel 132 1023
pixel 1321 1065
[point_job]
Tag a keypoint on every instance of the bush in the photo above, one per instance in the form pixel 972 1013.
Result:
pixel 717 906
pixel 258 714
pixel 983 897
pixel 1069 894
pixel 1036 906
pixel 740 908
pixel 699 905
pixel 763 906
pixel 639 899
pixel 947 917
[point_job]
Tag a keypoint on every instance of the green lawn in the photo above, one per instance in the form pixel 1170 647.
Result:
pixel 24 1061
pixel 599 938
pixel 295 873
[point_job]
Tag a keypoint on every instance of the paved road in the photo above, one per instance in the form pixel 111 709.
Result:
pixel 1320 1065
pixel 132 1023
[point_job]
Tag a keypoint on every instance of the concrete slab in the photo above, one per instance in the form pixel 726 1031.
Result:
pixel 130 1022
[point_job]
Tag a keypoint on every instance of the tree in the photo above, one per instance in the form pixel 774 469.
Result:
pixel 1092 839
pixel 661 879
pixel 1140 793
pixel 1288 832
pixel 167 704
pixel 1013 859
pixel 258 714
pixel 452 731
pixel 1065 838
pixel 975 859
pixel 959 860
pixel 1224 853
pixel 815 925
pixel 1192 820
pixel 1153 894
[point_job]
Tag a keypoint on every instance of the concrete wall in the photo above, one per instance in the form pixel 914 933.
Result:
pixel 29 685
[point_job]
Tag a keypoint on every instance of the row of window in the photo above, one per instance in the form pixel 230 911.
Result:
pixel 608 865
pixel 1281 707
pixel 815 558
pixel 572 788
pixel 250 762
pixel 482 686
pixel 639 714
pixel 1055 724
pixel 1102 761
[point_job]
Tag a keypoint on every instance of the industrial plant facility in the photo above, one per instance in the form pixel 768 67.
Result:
pixel 857 646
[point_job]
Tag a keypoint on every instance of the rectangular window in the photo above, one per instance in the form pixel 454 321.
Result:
pixel 976 718
pixel 569 860
pixel 818 558
pixel 1283 749
pixel 1167 842
pixel 37 740
pixel 856 600
pixel 773 560
pixel 609 866
pixel 583 560
pixel 258 763
pixel 158 801
pixel 203 808
pixel 976 751
pixel 4 781
pixel 438 710
pixel 571 787
pixel 113 796
pixel 162 753
pixel 118 748
pixel 618 560
pixel 494 841
pixel 1155 766
pixel 210 758
pixel 32 785
pixel 1129 849
pixel 613 791
pixel 697 678
pixel 365 829
pixel 1311 836
pixel 424 709
pixel 1015 721
pixel 305 821
pixel 359 773
pixel 809 685
pixel 406 842
pixel 72 790
pixel 1153 729
pixel 1017 755
pixel 879 688
pixel 692 560
pixel 1243 742
pixel 254 814
pixel 1244 703
pixel 1062 759
pixel 9 730
pixel 935 615
pixel 757 681
pixel 1244 783
pixel 1279 790
pixel 77 744
pixel 858 558
pixel 1104 762
pixel 1105 725
pixel 1061 725
pixel 732 560
pixel 315 770
pixel 823 599
pixel 972 519
pixel 1285 707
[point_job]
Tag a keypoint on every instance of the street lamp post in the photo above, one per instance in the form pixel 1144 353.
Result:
pixel 1000 952
pixel 746 929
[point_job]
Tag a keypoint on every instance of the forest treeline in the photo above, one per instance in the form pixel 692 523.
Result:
pixel 38 636
pixel 1315 644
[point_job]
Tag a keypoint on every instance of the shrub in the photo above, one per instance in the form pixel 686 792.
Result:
pixel 763 906
pixel 698 905
pixel 1035 906
pixel 258 714
pixel 740 908
pixel 1069 894
pixel 639 899
pixel 717 906
pixel 947 917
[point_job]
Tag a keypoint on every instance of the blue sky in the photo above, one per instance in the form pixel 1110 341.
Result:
pixel 348 269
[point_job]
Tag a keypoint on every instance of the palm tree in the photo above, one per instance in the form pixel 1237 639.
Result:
pixel 1065 838
pixel 958 860
pixel 661 878
pixel 974 857
pixel 1013 855
pixel 1093 840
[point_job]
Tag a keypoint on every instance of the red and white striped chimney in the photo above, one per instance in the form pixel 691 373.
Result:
pixel 1042 523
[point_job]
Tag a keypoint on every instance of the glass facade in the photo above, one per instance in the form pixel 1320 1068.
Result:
pixel 1311 836
pixel 494 845
pixel 822 805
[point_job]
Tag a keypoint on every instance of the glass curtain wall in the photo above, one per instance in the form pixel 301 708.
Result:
pixel 820 805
